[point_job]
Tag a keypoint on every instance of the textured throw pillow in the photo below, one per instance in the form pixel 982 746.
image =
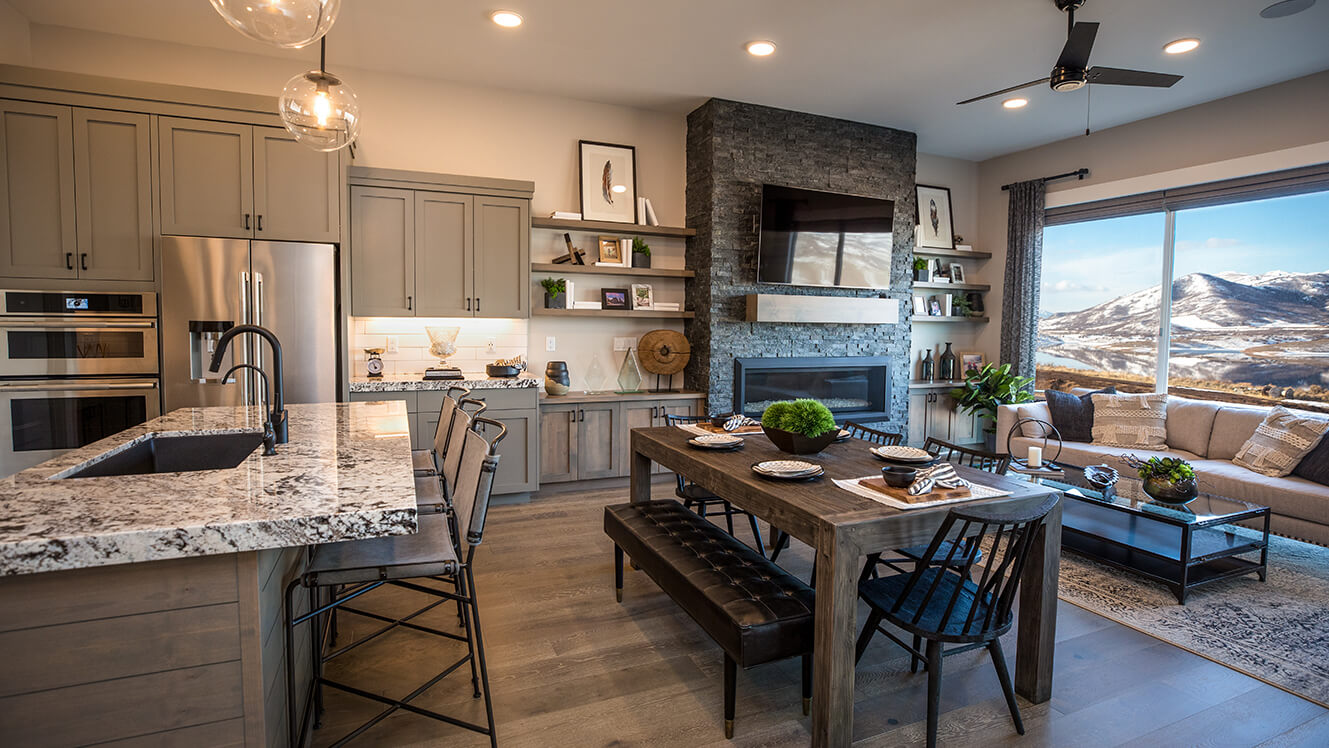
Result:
pixel 1034 410
pixel 1073 415
pixel 1281 442
pixel 1131 420
pixel 1314 467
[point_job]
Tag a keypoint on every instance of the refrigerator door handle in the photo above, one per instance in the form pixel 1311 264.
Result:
pixel 258 317
pixel 241 348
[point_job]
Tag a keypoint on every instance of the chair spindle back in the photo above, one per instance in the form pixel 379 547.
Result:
pixel 884 438
pixel 992 462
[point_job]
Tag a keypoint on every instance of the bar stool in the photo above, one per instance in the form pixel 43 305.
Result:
pixel 352 568
pixel 426 461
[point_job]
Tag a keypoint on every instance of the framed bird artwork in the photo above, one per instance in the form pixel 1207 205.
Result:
pixel 934 218
pixel 608 179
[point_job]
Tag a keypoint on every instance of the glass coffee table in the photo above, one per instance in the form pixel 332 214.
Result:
pixel 1182 546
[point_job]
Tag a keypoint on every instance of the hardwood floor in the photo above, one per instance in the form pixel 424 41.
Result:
pixel 570 667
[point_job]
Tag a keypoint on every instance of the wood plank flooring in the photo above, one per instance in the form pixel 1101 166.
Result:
pixel 570 667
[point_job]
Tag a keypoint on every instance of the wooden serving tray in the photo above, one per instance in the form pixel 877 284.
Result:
pixel 711 428
pixel 901 494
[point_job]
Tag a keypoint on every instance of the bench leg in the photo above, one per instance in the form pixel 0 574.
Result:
pixel 618 573
pixel 807 684
pixel 730 683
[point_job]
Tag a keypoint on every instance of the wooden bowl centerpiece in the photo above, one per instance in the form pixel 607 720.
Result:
pixel 800 427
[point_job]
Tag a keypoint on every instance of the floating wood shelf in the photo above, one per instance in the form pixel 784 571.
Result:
pixel 974 255
pixel 569 268
pixel 920 385
pixel 640 314
pixel 952 320
pixel 638 229
pixel 954 286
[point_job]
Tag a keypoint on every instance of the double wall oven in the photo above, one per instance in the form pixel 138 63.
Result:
pixel 75 366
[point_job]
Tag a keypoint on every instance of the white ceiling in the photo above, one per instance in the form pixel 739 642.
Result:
pixel 901 63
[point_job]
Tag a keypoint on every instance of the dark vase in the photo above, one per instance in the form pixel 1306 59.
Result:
pixel 920 275
pixel 1166 492
pixel 640 260
pixel 797 444
pixel 556 300
pixel 946 365
pixel 557 381
pixel 925 369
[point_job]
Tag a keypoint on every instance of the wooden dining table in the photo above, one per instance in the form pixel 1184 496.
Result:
pixel 843 528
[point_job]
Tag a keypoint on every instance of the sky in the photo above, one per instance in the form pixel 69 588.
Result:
pixel 1096 261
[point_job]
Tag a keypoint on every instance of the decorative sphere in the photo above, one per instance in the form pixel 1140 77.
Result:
pixel 284 23
pixel 320 110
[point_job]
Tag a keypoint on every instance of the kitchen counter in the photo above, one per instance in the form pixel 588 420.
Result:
pixel 472 381
pixel 346 474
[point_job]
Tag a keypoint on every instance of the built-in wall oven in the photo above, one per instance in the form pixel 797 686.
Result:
pixel 74 367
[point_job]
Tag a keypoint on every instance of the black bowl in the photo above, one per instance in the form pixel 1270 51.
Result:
pixel 719 419
pixel 898 477
pixel 502 371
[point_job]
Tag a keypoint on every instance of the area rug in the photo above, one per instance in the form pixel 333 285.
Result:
pixel 1276 631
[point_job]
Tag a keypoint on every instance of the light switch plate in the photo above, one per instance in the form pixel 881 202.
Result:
pixel 551 344
pixel 391 346
pixel 623 344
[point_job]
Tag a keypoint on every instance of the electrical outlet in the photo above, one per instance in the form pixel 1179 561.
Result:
pixel 551 344
pixel 489 346
pixel 623 344
pixel 391 346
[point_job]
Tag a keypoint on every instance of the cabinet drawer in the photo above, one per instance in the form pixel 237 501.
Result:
pixel 505 399
pixel 373 397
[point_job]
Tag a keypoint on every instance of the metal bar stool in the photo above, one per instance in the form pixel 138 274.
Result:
pixel 700 500
pixel 426 461
pixel 354 567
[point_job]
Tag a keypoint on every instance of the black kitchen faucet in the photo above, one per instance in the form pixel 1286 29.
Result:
pixel 278 404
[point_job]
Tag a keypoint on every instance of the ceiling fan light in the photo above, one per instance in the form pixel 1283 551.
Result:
pixel 1181 46
pixel 1286 8
pixel 291 24
pixel 508 19
pixel 1015 103
pixel 761 48
pixel 320 110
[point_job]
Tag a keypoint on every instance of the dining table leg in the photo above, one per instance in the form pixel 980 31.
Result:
pixel 639 484
pixel 1038 612
pixel 833 640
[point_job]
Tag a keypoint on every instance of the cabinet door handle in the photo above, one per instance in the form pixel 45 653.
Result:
pixel 477 304
pixel 409 302
pixel 246 222
pixel 572 416
pixel 83 260
pixel 260 221
pixel 69 261
pixel 468 303
pixel 581 415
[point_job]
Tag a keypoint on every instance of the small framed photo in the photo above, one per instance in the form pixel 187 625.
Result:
pixel 614 298
pixel 970 362
pixel 611 250
pixel 934 217
pixel 934 307
pixel 920 307
pixel 642 296
pixel 608 179
pixel 957 273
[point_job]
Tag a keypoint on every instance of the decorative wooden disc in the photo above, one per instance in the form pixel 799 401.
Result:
pixel 663 352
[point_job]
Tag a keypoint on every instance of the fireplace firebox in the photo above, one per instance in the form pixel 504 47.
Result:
pixel 855 388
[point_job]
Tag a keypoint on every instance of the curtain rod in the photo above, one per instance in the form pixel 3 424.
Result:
pixel 1078 174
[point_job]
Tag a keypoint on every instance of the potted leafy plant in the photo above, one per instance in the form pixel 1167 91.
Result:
pixel 960 307
pixel 641 253
pixel 555 293
pixel 986 389
pixel 801 427
pixel 1168 480
pixel 920 270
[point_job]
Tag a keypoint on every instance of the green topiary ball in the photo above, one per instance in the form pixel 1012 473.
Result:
pixel 774 415
pixel 807 417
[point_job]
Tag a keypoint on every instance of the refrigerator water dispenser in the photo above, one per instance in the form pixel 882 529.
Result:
pixel 203 338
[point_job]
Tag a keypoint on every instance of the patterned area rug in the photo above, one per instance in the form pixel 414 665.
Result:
pixel 1276 631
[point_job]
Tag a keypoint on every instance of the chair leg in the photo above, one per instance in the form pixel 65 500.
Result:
pixel 474 618
pixel 729 518
pixel 778 544
pixel 293 731
pixel 934 690
pixel 462 591
pixel 869 629
pixel 869 568
pixel 807 684
pixel 618 573
pixel 1004 675
pixel 913 658
pixel 730 684
pixel 316 658
pixel 756 535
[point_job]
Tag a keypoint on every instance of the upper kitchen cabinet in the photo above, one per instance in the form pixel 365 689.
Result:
pixel 383 252
pixel 113 195
pixel 243 181
pixel 37 238
pixel 502 257
pixel 444 235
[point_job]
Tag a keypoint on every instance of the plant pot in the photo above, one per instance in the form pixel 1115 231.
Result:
pixel 921 276
pixel 556 301
pixel 640 260
pixel 797 444
pixel 1166 492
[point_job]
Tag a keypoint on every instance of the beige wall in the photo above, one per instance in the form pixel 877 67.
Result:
pixel 1276 127
pixel 15 41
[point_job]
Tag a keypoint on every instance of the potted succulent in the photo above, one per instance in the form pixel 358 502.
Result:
pixel 1167 480
pixel 920 270
pixel 555 293
pixel 641 253
pixel 801 427
pixel 986 389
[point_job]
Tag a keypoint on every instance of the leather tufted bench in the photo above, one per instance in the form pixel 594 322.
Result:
pixel 752 608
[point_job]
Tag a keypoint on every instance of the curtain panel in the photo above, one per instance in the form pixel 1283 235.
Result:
pixel 1024 270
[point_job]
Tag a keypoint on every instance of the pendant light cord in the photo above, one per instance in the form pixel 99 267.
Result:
pixel 323 55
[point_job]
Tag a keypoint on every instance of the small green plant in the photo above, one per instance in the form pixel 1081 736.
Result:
pixel 807 417
pixel 960 307
pixel 554 286
pixel 986 389
pixel 920 263
pixel 1170 469
pixel 640 247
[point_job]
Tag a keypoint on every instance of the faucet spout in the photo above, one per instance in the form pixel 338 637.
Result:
pixel 278 401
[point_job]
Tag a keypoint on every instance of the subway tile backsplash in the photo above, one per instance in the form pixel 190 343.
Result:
pixel 509 337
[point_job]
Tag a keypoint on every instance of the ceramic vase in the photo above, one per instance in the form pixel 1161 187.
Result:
pixel 946 365
pixel 557 381
pixel 925 369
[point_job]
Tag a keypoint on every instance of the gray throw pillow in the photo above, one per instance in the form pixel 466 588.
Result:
pixel 1074 415
pixel 1314 467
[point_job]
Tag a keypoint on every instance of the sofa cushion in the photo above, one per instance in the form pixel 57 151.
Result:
pixel 1131 420
pixel 1034 410
pixel 1295 497
pixel 1233 425
pixel 1190 424
pixel 1073 415
pixel 1315 466
pixel 1280 441
pixel 1084 454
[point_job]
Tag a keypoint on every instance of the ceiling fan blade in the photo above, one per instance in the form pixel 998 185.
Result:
pixel 1122 77
pixel 1079 43
pixel 1002 91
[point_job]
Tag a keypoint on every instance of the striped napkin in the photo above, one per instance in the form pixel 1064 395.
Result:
pixel 942 475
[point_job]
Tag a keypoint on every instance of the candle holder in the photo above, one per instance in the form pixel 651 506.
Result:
pixel 1049 432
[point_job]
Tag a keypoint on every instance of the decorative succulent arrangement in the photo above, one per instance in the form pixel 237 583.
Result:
pixel 806 417
pixel 554 286
pixel 1169 469
pixel 920 263
pixel 986 389
pixel 640 247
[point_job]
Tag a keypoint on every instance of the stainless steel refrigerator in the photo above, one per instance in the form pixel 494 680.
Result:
pixel 210 284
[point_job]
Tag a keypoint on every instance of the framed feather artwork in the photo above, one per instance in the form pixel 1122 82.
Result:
pixel 934 218
pixel 608 176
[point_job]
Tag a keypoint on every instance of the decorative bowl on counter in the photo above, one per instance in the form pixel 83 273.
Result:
pixel 494 370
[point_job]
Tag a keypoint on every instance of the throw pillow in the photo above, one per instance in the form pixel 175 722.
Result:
pixel 1074 415
pixel 1281 442
pixel 1314 466
pixel 1034 410
pixel 1131 420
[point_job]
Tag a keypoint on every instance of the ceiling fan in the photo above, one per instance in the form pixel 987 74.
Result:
pixel 1072 70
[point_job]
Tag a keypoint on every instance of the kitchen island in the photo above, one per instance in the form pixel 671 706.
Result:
pixel 150 604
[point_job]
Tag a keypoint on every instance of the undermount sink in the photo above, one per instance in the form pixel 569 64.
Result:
pixel 175 454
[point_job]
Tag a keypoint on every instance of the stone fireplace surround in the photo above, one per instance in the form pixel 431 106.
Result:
pixel 732 150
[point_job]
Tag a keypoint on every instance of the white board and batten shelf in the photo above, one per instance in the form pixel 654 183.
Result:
pixel 822 309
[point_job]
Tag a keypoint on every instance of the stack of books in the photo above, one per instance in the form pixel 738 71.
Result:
pixel 564 215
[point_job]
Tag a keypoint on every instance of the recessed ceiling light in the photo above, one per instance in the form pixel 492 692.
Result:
pixel 1286 8
pixel 619 188
pixel 506 18
pixel 1015 103
pixel 1181 46
pixel 761 48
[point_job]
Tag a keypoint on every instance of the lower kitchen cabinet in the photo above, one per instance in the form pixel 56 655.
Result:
pixel 592 439
pixel 933 414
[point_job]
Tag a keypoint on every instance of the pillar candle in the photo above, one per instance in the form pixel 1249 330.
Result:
pixel 1035 457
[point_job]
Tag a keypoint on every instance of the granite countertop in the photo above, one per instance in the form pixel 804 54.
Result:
pixel 346 474
pixel 472 381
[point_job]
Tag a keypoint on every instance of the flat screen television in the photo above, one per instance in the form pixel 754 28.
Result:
pixel 811 238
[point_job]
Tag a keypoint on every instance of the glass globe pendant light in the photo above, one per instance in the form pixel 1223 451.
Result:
pixel 285 23
pixel 319 109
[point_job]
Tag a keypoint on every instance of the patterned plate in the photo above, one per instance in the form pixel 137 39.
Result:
pixel 843 436
pixel 716 440
pixel 901 453
pixel 805 475
pixel 718 446
pixel 786 467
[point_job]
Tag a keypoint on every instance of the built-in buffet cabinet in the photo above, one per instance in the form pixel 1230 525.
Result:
pixel 587 436
pixel 435 245
pixel 932 413
pixel 75 193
